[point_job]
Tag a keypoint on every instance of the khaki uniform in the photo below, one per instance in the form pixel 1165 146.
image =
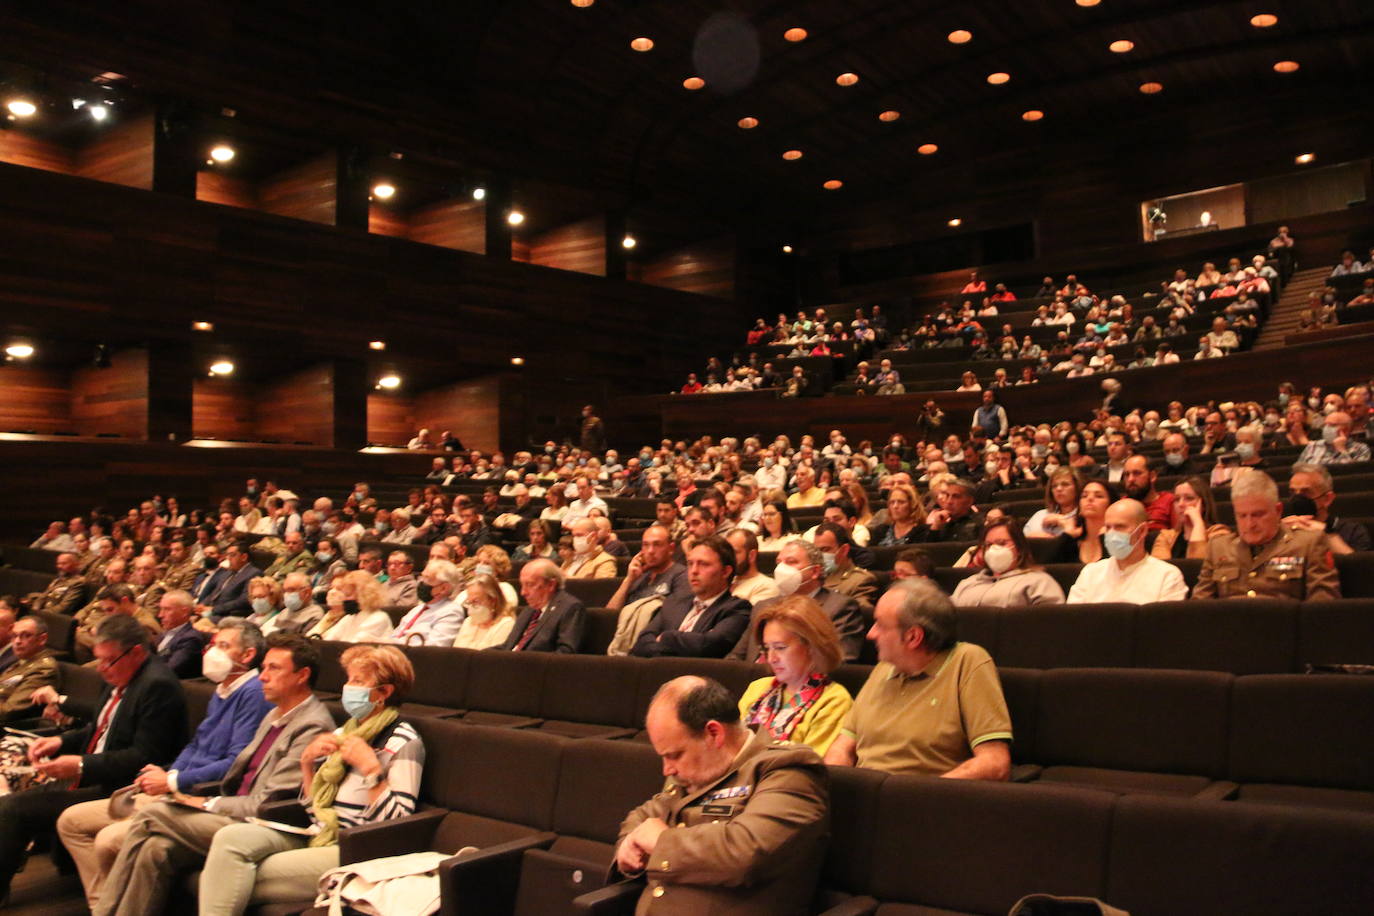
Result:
pixel 1295 564
pixel 182 575
pixel 859 584
pixel 749 844
pixel 148 598
pixel 85 633
pixel 62 596
pixel 95 573
pixel 20 680
pixel 283 566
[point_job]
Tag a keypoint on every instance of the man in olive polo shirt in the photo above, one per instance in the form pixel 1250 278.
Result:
pixel 932 705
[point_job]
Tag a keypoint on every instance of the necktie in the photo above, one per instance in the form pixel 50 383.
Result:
pixel 698 608
pixel 529 630
pixel 105 718
pixel 406 629
pixel 251 773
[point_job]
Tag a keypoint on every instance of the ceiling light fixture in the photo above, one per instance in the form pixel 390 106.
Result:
pixel 956 222
pixel 833 184
pixel 515 217
pixel 1087 2
pixel 1264 20
pixel 22 108
pixel 628 242
pixel 847 79
pixel 642 44
pixel 389 381
pixel 786 249
pixel 792 155
pixel 19 351
pixel 1304 158
pixel 1121 46
pixel 582 4
pixel 748 123
pixel 99 112
pixel 693 83
pixel 384 191
pixel 960 37
pixel 891 114
pixel 1034 114
pixel 795 34
pixel 1151 88
pixel 202 326
pixel 479 193
pixel 1286 66
pixel 221 367
pixel 517 360
pixel 222 153
pixel 927 149
pixel 999 78
pixel 376 344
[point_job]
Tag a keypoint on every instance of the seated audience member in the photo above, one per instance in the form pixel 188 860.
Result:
pixel 1176 457
pixel 912 563
pixel 1264 558
pixel 808 495
pixel 1311 493
pixel 652 571
pixel 905 513
pixel 489 615
pixel 1245 456
pixel 749 584
pixel 776 527
pixel 1138 481
pixel 585 504
pixel 932 705
pixel 140 720
pixel 93 833
pixel 66 593
pixel 1009 576
pixel 706 624
pixel 299 611
pixel 955 518
pixel 1082 541
pixel 332 565
pixel 230 597
pixel 400 530
pixel 366 771
pixel 472 530
pixel 1336 445
pixel 181 644
pixel 32 666
pixel 400 579
pixel 296 557
pixel 436 619
pixel 799 703
pixel 1128 574
pixel 353 610
pixel 800 572
pixel 264 596
pixel 552 620
pixel 1193 522
pixel 742 825
pixel 588 561
pixel 113 600
pixel 1062 490
pixel 841 573
pixel 540 546
pixel 610 543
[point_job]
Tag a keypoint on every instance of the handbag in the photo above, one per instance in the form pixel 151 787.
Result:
pixel 405 885
pixel 1050 905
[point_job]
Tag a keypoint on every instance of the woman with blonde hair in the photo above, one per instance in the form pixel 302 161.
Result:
pixel 264 594
pixel 1061 504
pixel 490 615
pixel 905 513
pixel 353 610
pixel 859 497
pixel 495 562
pixel 799 703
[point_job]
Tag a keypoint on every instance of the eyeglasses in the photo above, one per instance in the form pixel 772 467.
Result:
pixel 107 665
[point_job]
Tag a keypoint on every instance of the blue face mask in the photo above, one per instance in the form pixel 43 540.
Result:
pixel 357 701
pixel 1118 544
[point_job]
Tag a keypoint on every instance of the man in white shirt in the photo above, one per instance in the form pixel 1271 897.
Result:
pixel 750 584
pixel 436 619
pixel 586 501
pixel 1129 574
pixel 771 474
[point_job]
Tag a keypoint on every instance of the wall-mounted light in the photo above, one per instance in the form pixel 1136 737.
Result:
pixel 786 249
pixel 202 326
pixel 389 382
pixel 628 242
pixel 99 112
pixel 517 360
pixel 21 108
pixel 515 217
pixel 479 193
pixel 222 153
pixel 377 345
pixel 383 190
pixel 221 367
pixel 19 351
pixel 956 222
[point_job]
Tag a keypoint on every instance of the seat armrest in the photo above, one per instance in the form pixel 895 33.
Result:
pixel 854 906
pixel 484 882
pixel 207 789
pixel 285 812
pixel 617 899
pixel 1221 790
pixel 1026 772
pixel 402 835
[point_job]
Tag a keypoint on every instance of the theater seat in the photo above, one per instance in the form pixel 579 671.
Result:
pixel 1065 636
pixel 599 630
pixel 1239 635
pixel 1336 632
pixel 586 696
pixel 504 688
pixel 592 592
pixel 1357 574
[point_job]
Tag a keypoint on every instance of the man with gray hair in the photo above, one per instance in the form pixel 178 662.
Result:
pixel 552 620
pixel 741 826
pixel 66 592
pixel 1311 493
pixel 800 571
pixel 1265 558
pixel 181 644
pixel 932 705
pixel 436 619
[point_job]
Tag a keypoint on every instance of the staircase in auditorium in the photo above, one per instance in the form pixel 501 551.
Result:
pixel 1283 319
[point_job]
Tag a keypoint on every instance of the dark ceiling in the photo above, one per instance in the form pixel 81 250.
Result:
pixel 553 92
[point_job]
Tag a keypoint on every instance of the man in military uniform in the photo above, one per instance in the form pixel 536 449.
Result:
pixel 113 599
pixel 104 551
pixel 148 590
pixel 65 593
pixel 751 816
pixel 294 558
pixel 1265 559
pixel 182 569
pixel 33 667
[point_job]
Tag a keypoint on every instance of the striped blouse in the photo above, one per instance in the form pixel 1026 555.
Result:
pixel 403 759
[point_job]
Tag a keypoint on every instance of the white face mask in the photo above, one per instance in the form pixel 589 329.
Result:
pixel 216 664
pixel 787 578
pixel 479 613
pixel 999 558
pixel 582 544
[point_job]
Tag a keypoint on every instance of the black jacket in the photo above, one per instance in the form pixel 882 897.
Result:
pixel 559 629
pixel 712 636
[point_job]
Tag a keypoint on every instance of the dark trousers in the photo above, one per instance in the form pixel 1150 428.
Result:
pixel 30 814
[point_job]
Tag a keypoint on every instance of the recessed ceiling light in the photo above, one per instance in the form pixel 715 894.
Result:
pixel 890 115
pixel 693 83
pixel 515 217
pixel 847 79
pixel 582 3
pixel 389 381
pixel 998 78
pixel 833 184
pixel 1151 88
pixel 22 108
pixel 1087 2
pixel 1035 114
pixel 222 153
pixel 202 326
pixel 99 112
pixel 956 221
pixel 19 350
pixel 927 149
pixel 221 367
pixel 786 249
pixel 642 44
pixel 517 360
pixel 1286 66
pixel 792 155
pixel 960 37
pixel 1264 20
pixel 1304 158
pixel 376 344
pixel 795 34
pixel 479 193
pixel 628 242
pixel 748 123
pixel 384 191
pixel 1121 46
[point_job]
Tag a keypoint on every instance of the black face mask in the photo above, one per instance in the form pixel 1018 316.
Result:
pixel 425 592
pixel 1297 504
pixel 211 562
pixel 350 606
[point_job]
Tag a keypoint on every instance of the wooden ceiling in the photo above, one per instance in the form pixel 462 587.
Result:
pixel 550 92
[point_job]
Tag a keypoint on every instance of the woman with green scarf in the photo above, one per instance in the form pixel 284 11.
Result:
pixel 364 772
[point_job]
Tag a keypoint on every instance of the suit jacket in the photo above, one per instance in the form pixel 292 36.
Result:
pixel 207 583
pixel 280 770
pixel 559 629
pixel 712 636
pixel 750 843
pixel 230 597
pixel 149 726
pixel 183 653
pixel 843 610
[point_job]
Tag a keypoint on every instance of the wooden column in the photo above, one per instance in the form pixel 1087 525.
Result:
pixel 351 387
pixel 171 382
pixel 616 255
pixel 498 201
pixel 352 188
pixel 175 156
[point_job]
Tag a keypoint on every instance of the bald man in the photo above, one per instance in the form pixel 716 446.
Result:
pixel 1128 574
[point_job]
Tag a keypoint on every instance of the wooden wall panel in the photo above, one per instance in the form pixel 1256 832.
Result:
pixel 217 188
pixel 122 154
pixel 1278 199
pixel 456 224
pixel 471 410
pixel 386 221
pixel 579 246
pixel 304 192
pixel 1227 206
pixel 708 268
pixel 21 149
pixel 34 399
pixel 520 250
pixel 113 400
pixel 223 409
pixel 298 408
pixel 390 419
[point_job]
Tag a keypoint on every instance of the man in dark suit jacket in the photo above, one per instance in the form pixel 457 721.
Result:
pixel 181 645
pixel 708 622
pixel 843 610
pixel 139 719
pixel 230 597
pixel 209 579
pixel 553 620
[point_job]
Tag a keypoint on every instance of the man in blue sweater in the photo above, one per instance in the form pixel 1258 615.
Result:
pixel 93 836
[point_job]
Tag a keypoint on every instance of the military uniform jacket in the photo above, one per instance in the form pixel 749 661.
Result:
pixel 181 575
pixel 63 595
pixel 749 844
pixel 1295 564
pixel 20 680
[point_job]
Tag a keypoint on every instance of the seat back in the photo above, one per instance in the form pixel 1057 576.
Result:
pixel 1310 730
pixel 1021 688
pixel 853 812
pixel 506 682
pixel 592 592
pixel 1066 636
pixel 332 676
pixel 599 630
pixel 441 675
pixel 657 671
pixel 61 630
pixel 1334 632
pixel 980 626
pixel 1239 635
pixel 590 688
pixel 1357 574
pixel 589 807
